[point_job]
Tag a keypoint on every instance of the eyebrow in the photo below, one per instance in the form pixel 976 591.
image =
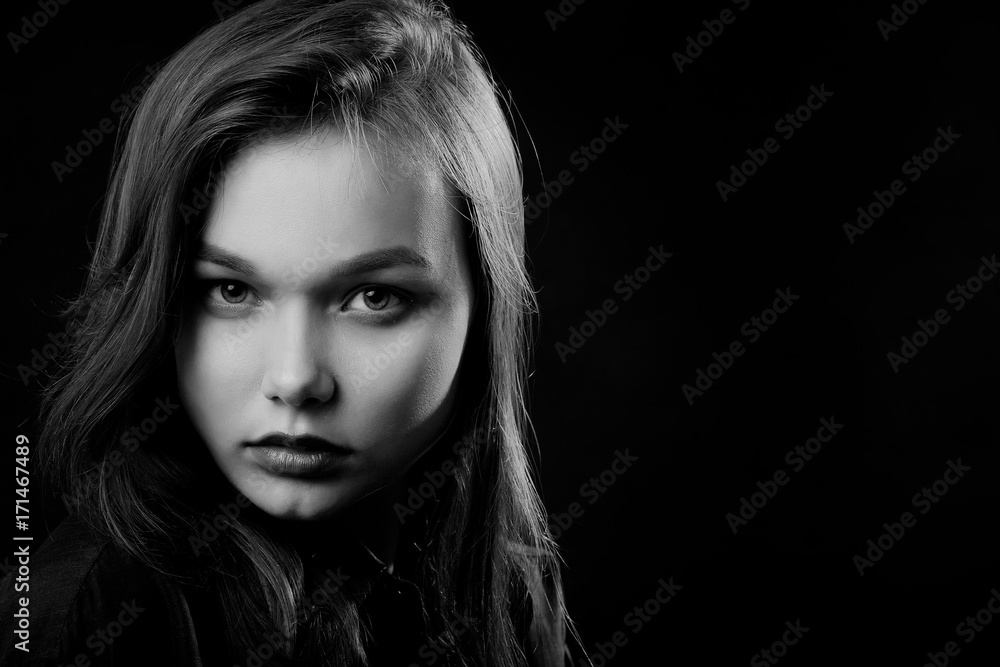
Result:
pixel 375 260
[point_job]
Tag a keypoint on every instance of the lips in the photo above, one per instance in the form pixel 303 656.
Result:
pixel 299 442
pixel 298 456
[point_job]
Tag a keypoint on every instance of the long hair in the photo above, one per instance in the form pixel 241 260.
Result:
pixel 386 72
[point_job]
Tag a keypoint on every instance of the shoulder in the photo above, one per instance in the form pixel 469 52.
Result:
pixel 85 602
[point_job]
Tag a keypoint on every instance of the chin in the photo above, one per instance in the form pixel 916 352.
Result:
pixel 296 500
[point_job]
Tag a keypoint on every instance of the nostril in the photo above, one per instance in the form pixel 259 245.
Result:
pixel 300 390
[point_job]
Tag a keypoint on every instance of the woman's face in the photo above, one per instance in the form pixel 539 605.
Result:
pixel 325 318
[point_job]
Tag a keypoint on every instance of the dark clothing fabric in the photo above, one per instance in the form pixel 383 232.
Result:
pixel 91 605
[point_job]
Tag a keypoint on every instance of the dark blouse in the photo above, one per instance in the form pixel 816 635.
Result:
pixel 90 604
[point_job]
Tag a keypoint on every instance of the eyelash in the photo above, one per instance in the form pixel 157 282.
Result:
pixel 207 287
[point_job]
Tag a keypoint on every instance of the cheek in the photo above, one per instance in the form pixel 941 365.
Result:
pixel 402 384
pixel 214 375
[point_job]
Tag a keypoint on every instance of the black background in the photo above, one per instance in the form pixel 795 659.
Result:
pixel 656 184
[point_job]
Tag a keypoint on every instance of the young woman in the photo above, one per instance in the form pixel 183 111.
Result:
pixel 292 427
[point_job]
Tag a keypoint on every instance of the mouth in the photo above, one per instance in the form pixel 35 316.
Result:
pixel 298 456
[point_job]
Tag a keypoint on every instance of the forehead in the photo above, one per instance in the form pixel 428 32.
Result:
pixel 281 198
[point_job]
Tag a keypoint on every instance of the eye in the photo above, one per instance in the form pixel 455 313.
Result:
pixel 228 296
pixel 377 298
pixel 233 291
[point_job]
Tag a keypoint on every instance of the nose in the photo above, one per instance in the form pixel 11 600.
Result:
pixel 296 371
